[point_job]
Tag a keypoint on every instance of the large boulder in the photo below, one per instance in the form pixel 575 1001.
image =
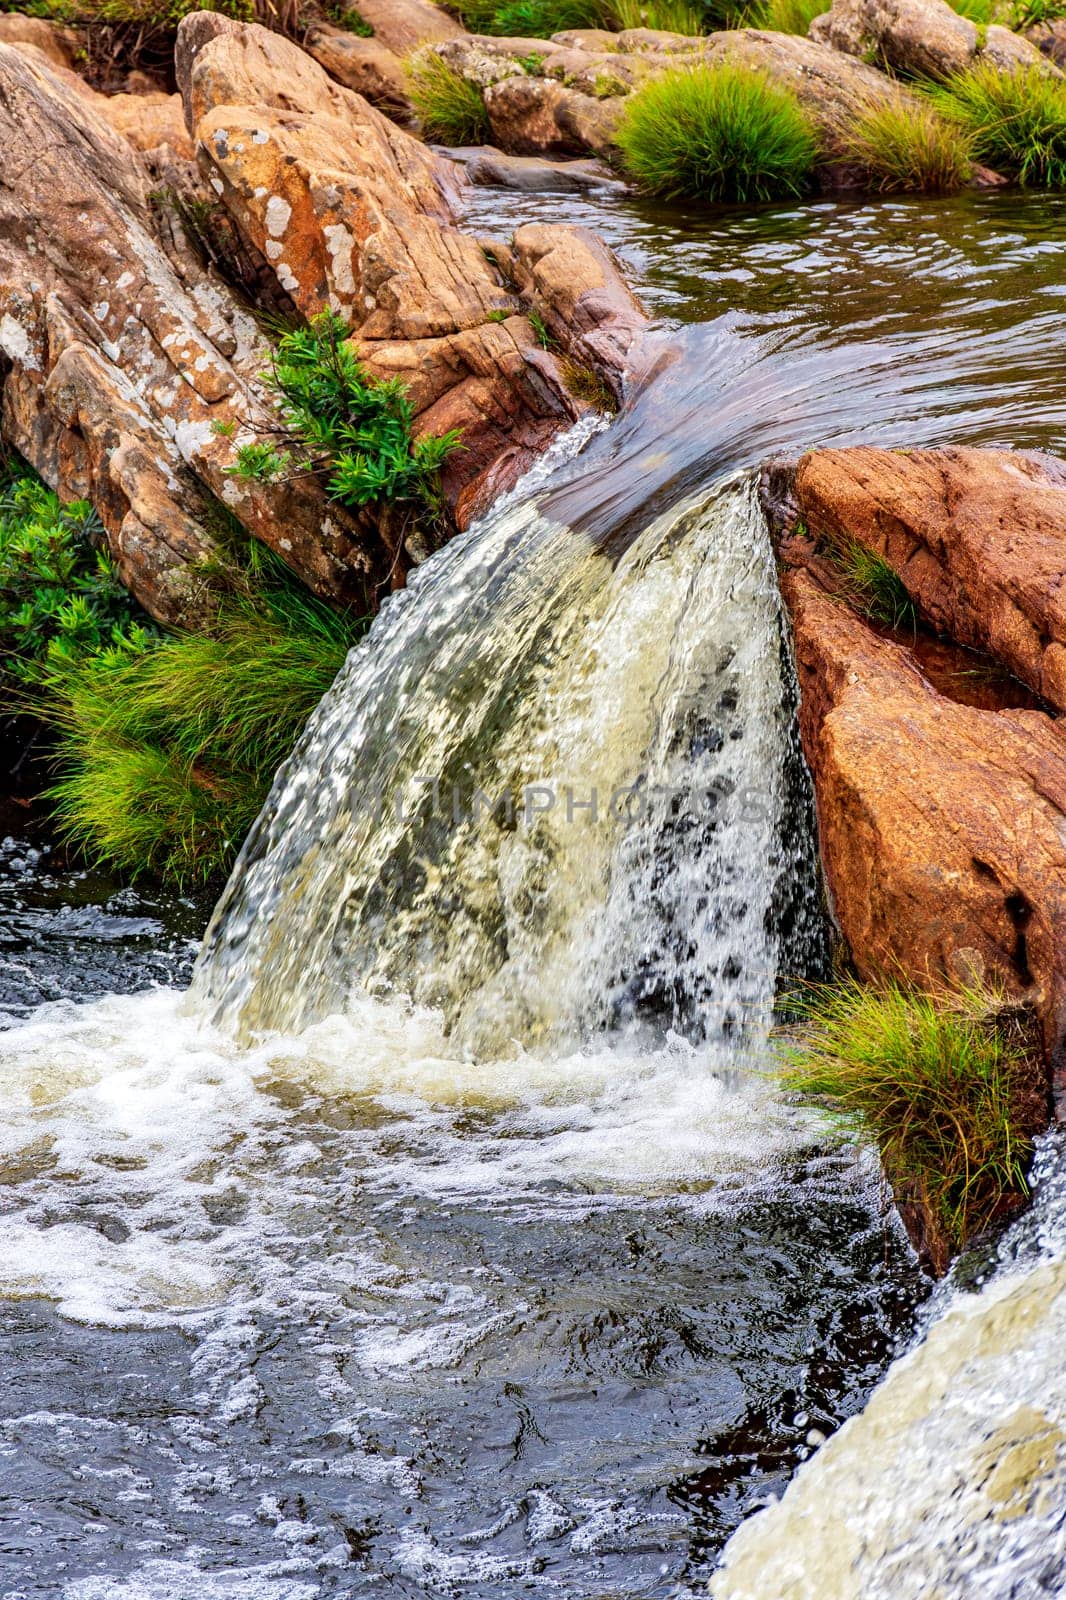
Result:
pixel 355 214
pixel 400 25
pixel 941 811
pixel 923 38
pixel 121 360
pixel 978 538
pixel 365 65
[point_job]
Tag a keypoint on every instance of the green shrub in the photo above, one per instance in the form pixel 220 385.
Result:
pixel 166 749
pixel 906 148
pixel 667 16
pixel 59 592
pixel 1016 121
pixel 787 16
pixel 981 12
pixel 354 430
pixel 531 19
pixel 451 110
pixel 717 133
pixel 344 15
pixel 947 1084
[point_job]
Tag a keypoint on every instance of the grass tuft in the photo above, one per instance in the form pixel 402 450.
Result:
pixel 906 148
pixel 1016 121
pixel 946 1083
pixel 786 16
pixel 451 110
pixel 717 133
pixel 166 749
pixel 666 16
pixel 874 588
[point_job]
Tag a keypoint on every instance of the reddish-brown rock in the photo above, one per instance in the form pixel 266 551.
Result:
pixel 365 65
pixel 402 24
pixel 926 38
pixel 942 827
pixel 1050 40
pixel 977 536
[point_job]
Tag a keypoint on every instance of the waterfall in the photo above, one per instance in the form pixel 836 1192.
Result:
pixel 547 795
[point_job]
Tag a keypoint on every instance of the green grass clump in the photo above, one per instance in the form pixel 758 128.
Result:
pixel 786 16
pixel 451 110
pixel 945 1083
pixel 874 588
pixel 1015 120
pixel 665 16
pixel 717 133
pixel 981 12
pixel 166 749
pixel 530 19
pixel 906 148
pixel 59 591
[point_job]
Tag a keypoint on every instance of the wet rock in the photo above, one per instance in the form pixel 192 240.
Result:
pixel 941 814
pixel 533 174
pixel 119 360
pixel 924 38
pixel 942 826
pixel 365 65
pixel 978 537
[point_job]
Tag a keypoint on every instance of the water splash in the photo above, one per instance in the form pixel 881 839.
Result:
pixel 632 709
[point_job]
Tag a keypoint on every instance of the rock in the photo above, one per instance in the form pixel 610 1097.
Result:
pixel 834 87
pixel 365 65
pixel 942 827
pixel 400 25
pixel 977 536
pixel 120 359
pixel 57 44
pixel 923 38
pixel 151 122
pixel 355 214
pixel 532 174
pixel 1050 40
pixel 542 117
pixel 572 279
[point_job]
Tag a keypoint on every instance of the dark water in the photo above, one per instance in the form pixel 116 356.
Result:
pixel 344 1315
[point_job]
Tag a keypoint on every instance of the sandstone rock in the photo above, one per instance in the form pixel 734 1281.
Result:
pixel 925 38
pixel 365 65
pixel 57 44
pixel 540 116
pixel 573 281
pixel 1050 40
pixel 118 363
pixel 942 827
pixel 596 39
pixel 400 25
pixel 977 536
pixel 151 122
pixel 355 214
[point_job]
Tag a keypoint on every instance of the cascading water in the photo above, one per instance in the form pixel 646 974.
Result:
pixel 546 796
pixel 447 1238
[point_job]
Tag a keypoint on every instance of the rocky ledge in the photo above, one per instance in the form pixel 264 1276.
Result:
pixel 936 746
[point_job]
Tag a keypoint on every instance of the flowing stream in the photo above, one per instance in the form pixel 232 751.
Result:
pixel 447 1236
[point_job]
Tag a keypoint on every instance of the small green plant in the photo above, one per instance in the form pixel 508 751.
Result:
pixel 717 133
pixel 59 592
pixel 530 19
pixel 981 12
pixel 946 1083
pixel 451 110
pixel 902 147
pixel 344 15
pixel 498 316
pixel 786 16
pixel 355 431
pixel 665 16
pixel 545 337
pixel 874 588
pixel 166 748
pixel 260 463
pixel 532 65
pixel 1015 120
pixel 586 385
pixel 223 428
pixel 1028 13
